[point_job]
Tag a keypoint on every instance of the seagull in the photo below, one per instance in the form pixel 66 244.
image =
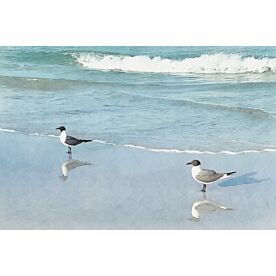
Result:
pixel 205 176
pixel 69 141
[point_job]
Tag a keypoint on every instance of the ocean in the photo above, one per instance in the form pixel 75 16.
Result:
pixel 165 99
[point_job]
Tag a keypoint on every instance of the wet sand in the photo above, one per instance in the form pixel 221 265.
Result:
pixel 107 187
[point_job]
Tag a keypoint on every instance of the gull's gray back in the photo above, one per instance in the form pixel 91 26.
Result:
pixel 208 176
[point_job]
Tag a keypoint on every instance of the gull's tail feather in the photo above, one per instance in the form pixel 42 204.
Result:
pixel 230 173
pixel 85 141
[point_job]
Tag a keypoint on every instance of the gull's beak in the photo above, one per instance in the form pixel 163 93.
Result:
pixel 189 163
pixel 58 128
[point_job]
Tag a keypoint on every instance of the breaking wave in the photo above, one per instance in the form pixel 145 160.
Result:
pixel 204 64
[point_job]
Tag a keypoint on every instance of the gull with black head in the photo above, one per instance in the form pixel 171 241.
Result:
pixel 205 176
pixel 69 141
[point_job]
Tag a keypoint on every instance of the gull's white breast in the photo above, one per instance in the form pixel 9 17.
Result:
pixel 62 137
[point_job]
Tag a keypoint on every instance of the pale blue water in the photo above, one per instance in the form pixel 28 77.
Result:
pixel 184 98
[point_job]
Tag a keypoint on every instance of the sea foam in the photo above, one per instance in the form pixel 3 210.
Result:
pixel 179 151
pixel 206 63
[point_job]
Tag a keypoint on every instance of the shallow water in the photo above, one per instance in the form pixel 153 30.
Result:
pixel 194 99
pixel 107 187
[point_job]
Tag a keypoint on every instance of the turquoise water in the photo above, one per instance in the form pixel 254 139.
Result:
pixel 162 98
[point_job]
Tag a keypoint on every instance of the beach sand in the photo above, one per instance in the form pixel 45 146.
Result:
pixel 128 188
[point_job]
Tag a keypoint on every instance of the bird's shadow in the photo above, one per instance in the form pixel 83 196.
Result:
pixel 244 179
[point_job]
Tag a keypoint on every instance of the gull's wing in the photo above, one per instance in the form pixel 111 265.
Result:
pixel 208 176
pixel 72 141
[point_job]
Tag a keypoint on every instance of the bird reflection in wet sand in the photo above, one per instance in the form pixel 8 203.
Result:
pixel 71 164
pixel 206 206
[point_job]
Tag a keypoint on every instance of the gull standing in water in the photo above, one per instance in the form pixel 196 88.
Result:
pixel 205 176
pixel 69 141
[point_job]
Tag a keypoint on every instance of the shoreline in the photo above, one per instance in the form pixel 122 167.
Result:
pixel 125 188
pixel 147 148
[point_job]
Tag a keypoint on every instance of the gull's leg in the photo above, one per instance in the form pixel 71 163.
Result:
pixel 69 150
pixel 204 188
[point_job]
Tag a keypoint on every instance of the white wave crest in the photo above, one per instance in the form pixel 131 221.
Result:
pixel 185 151
pixel 198 151
pixel 44 135
pixel 206 64
pixel 7 130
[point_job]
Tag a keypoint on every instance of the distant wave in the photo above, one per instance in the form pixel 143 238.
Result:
pixel 253 112
pixel 42 84
pixel 52 84
pixel 204 64
pixel 161 150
